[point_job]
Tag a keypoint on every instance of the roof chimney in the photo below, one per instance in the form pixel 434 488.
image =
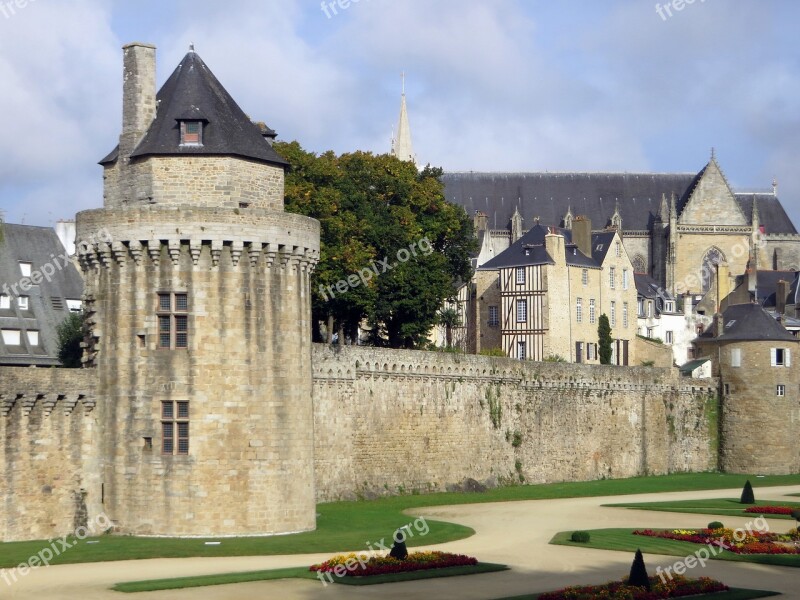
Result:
pixel 138 94
pixel 781 294
pixel 582 234
pixel 480 221
pixel 719 324
pixel 554 244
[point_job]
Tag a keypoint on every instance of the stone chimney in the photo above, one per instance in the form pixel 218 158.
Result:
pixel 138 94
pixel 480 221
pixel 722 285
pixel 582 234
pixel 781 293
pixel 719 324
pixel 554 244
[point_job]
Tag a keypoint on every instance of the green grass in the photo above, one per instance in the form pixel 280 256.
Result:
pixel 732 594
pixel 178 583
pixel 624 540
pixel 350 525
pixel 714 506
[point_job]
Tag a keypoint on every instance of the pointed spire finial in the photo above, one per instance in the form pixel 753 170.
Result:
pixel 713 153
pixel 403 148
pixel 403 81
pixel 774 186
pixel 191 46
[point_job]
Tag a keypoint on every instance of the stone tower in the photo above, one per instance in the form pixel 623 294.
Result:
pixel 199 313
pixel 752 355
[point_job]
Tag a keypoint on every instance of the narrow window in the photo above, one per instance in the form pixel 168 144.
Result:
pixel 613 314
pixel 33 338
pixel 494 316
pixel 522 311
pixel 640 303
pixel 520 275
pixel 618 249
pixel 591 311
pixel 22 303
pixel 25 268
pixel 778 357
pixel 173 322
pixel 611 277
pixel 668 336
pixel 585 277
pixel 579 310
pixel 175 427
pixel 625 315
pixel 521 350
pixel 736 357
pixel 780 390
pixel 727 389
pixel 624 279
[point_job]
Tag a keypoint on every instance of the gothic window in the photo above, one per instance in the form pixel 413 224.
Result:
pixel 639 264
pixel 713 257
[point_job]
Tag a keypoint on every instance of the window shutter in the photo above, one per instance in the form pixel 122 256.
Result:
pixel 787 357
pixel 773 356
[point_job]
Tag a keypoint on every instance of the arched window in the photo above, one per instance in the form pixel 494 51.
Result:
pixel 713 257
pixel 639 264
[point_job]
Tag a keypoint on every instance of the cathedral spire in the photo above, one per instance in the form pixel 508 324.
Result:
pixel 401 146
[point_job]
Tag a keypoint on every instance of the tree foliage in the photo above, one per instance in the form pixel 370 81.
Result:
pixel 70 336
pixel 604 340
pixel 376 211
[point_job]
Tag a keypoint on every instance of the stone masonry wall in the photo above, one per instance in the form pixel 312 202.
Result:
pixel 388 421
pixel 48 455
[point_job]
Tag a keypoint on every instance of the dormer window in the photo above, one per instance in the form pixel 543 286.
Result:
pixel 191 133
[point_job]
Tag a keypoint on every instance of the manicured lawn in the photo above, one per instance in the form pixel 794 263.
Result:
pixel 624 540
pixel 301 573
pixel 732 594
pixel 715 506
pixel 349 525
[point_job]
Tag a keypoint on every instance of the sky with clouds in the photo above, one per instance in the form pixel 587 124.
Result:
pixel 492 85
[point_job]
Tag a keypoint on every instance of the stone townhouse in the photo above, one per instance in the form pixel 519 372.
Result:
pixel 543 297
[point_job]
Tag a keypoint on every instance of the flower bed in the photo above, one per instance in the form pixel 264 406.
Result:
pixel 676 587
pixel 737 541
pixel 771 510
pixel 360 565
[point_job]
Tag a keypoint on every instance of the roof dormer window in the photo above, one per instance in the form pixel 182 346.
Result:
pixel 191 133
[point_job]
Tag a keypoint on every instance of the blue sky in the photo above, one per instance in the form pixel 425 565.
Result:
pixel 498 85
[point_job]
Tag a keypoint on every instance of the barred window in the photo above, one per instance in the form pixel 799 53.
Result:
pixel 585 277
pixel 625 315
pixel 579 310
pixel 173 323
pixel 592 314
pixel 611 277
pixel 520 275
pixel 613 314
pixel 494 316
pixel 175 427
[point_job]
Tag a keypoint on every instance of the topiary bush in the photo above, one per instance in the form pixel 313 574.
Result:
pixel 580 536
pixel 715 525
pixel 747 494
pixel 638 576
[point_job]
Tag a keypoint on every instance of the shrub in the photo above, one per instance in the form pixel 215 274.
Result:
pixel 747 494
pixel 638 576
pixel 494 352
pixel 715 525
pixel 581 537
pixel 796 515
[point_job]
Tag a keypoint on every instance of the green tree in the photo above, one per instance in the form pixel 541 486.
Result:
pixel 449 319
pixel 70 336
pixel 392 247
pixel 604 340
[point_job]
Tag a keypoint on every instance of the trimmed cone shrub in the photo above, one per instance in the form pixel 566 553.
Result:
pixel 796 515
pixel 580 536
pixel 638 576
pixel 747 494
pixel 715 525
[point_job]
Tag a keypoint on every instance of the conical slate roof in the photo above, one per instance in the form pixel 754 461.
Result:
pixel 193 92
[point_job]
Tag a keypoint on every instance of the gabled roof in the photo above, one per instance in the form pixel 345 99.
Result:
pixel 601 242
pixel 39 246
pixel 648 287
pixel 747 322
pixel 595 195
pixel 767 286
pixel 530 250
pixel 193 92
